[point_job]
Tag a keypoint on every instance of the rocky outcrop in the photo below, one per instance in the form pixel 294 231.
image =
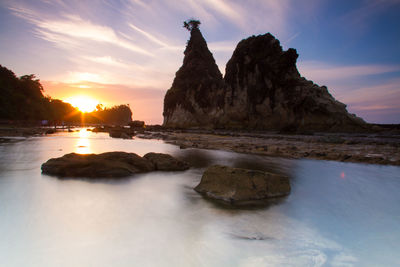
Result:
pixel 262 89
pixel 108 165
pixel 238 185
pixel 165 162
pixel 197 94
pixel 265 87
pixel 115 131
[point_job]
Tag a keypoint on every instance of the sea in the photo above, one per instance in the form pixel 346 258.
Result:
pixel 338 214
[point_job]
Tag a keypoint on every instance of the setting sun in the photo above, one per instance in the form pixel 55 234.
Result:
pixel 83 103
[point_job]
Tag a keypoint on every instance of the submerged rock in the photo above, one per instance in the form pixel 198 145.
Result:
pixel 109 164
pixel 165 162
pixel 262 89
pixel 236 185
pixel 120 132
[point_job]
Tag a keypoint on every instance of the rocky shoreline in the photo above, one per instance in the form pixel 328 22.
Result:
pixel 360 148
pixel 13 131
pixel 373 148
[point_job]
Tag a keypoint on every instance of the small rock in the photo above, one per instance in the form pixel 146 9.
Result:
pixel 50 131
pixel 235 184
pixel 120 134
pixel 165 162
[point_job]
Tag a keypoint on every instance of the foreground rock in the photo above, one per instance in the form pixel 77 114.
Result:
pixel 110 164
pixel 238 185
pixel 165 162
pixel 262 89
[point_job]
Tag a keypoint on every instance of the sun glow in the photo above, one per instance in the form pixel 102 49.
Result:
pixel 83 103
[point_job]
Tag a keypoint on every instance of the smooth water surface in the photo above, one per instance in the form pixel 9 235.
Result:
pixel 338 214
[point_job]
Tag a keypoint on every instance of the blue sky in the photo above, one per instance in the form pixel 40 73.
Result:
pixel 128 51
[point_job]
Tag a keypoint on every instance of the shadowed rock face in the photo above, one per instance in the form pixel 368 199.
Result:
pixel 110 164
pixel 262 89
pixel 235 184
pixel 196 96
pixel 264 85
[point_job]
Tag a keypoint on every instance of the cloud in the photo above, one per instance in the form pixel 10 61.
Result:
pixel 319 71
pixel 291 38
pixel 386 94
pixel 148 35
pixel 108 60
pixel 230 11
pixel 370 8
pixel 73 26
pixel 372 107
pixel 379 103
pixel 84 76
pixel 140 3
pixel 249 17
pixel 350 85
pixel 223 46
pixel 361 17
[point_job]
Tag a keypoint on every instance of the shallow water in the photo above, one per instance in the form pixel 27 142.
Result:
pixel 338 214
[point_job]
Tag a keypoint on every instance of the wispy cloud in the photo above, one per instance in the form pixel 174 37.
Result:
pixel 108 60
pixel 139 3
pixel 228 9
pixel 223 46
pixel 56 30
pixel 323 72
pixel 369 9
pixel 387 94
pixel 149 36
pixel 350 85
pixel 84 77
pixel 379 103
pixel 362 16
pixel 291 38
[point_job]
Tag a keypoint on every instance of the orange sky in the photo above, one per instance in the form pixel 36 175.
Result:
pixel 146 103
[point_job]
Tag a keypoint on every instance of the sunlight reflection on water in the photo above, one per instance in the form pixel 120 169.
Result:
pixel 83 143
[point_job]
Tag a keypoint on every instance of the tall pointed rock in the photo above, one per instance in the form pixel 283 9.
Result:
pixel 196 96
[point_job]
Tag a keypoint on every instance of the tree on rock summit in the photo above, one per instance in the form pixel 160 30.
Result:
pixel 191 24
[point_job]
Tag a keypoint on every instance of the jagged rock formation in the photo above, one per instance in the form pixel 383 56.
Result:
pixel 197 93
pixel 262 89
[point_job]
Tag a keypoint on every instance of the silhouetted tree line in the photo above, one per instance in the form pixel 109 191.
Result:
pixel 119 115
pixel 22 99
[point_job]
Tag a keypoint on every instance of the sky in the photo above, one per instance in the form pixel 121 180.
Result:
pixel 127 51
